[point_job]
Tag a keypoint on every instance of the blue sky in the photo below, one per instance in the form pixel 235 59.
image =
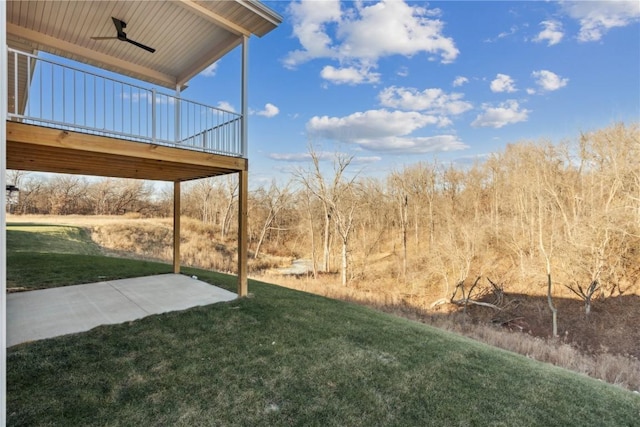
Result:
pixel 395 82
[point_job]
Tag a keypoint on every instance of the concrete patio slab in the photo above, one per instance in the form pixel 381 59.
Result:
pixel 49 313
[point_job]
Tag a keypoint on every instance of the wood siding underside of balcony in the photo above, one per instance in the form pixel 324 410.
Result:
pixel 41 149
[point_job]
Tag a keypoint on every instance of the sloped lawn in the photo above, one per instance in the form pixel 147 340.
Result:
pixel 283 357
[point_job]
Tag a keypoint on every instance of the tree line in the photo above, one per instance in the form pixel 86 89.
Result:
pixel 540 213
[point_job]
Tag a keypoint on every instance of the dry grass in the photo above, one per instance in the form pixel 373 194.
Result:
pixel 147 238
pixel 152 239
pixel 199 244
pixel 615 369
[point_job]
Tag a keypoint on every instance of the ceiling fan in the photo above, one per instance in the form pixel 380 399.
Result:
pixel 120 25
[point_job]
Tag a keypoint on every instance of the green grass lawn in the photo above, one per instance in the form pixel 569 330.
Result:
pixel 38 257
pixel 43 238
pixel 284 357
pixel 34 270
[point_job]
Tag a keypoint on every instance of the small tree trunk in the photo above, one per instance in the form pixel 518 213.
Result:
pixel 226 219
pixel 344 263
pixel 588 295
pixel 327 231
pixel 554 310
pixel 403 215
pixel 313 239
pixel 587 306
pixel 263 233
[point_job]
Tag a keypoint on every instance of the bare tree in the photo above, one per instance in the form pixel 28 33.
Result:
pixel 546 249
pixel 272 201
pixel 205 194
pixel 455 251
pixel 33 196
pixel 346 201
pixel 16 177
pixel 338 200
pixel 401 198
pixel 546 216
pixel 212 201
pixel 308 195
pixel 230 189
pixel 314 182
pixel 101 194
pixel 67 194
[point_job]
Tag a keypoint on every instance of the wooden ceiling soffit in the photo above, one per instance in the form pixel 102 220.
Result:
pixel 214 18
pixel 91 56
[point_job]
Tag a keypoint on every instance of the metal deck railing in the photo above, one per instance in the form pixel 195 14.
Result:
pixel 47 93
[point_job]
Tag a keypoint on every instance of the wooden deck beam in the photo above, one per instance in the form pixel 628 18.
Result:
pixel 40 149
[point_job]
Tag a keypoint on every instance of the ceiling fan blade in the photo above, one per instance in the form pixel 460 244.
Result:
pixel 119 25
pixel 147 48
pixel 122 36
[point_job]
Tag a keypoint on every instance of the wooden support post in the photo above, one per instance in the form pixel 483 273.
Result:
pixel 244 93
pixel 243 196
pixel 4 94
pixel 243 178
pixel 177 106
pixel 176 227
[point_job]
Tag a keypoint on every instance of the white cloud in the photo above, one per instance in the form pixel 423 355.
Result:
pixel 366 159
pixel 512 31
pixel 269 110
pixel 549 81
pixel 552 33
pixel 360 35
pixel 413 145
pixel 459 81
pixel 309 26
pixel 383 130
pixel 443 122
pixel 393 27
pixel 403 72
pixel 503 83
pixel 301 157
pixel 434 101
pixel 502 35
pixel 321 155
pixel 210 71
pixel 598 17
pixel 508 112
pixel 370 124
pixel 224 105
pixel 349 75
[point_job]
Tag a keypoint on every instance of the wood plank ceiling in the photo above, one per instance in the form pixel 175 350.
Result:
pixel 188 35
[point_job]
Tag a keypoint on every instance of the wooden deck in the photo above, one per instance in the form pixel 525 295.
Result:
pixel 42 149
